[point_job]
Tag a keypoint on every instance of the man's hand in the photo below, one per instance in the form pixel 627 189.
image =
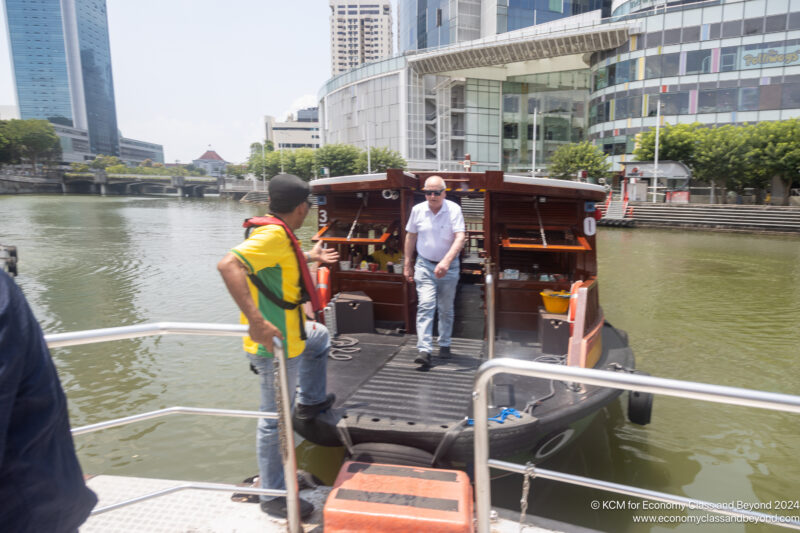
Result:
pixel 323 255
pixel 408 272
pixel 263 332
pixel 441 268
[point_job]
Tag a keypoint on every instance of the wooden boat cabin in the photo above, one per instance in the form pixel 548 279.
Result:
pixel 533 234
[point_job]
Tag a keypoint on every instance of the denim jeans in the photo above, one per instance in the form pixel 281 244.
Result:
pixel 433 293
pixel 309 368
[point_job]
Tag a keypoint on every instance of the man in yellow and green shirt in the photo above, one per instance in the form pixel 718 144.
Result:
pixel 261 271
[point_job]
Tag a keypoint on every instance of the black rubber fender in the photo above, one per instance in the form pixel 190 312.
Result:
pixel 393 454
pixel 640 405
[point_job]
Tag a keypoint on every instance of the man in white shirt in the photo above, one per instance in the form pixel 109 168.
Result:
pixel 436 231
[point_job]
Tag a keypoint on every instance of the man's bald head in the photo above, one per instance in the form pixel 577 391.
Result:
pixel 434 183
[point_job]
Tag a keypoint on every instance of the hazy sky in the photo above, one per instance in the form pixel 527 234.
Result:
pixel 194 73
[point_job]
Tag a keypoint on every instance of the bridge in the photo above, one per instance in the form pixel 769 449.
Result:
pixel 122 184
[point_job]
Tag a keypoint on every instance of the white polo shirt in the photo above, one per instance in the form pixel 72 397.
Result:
pixel 435 233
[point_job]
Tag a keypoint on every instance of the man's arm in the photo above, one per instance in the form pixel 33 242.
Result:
pixel 323 255
pixel 234 273
pixel 455 249
pixel 410 248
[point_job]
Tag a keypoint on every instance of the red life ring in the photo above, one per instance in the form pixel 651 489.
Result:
pixel 324 285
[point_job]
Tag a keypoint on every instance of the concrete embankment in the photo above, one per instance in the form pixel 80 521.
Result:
pixel 11 184
pixel 718 217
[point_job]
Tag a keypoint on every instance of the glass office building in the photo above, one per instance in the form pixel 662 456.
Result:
pixel 511 99
pixel 62 66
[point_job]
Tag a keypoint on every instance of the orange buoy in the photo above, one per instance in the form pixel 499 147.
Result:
pixel 324 285
pixel 398 499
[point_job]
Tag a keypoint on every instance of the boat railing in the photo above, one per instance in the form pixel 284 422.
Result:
pixel 283 415
pixel 617 380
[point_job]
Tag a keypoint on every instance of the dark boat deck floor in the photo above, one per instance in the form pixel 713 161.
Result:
pixel 382 379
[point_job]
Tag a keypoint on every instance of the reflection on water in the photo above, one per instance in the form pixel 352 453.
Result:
pixel 709 307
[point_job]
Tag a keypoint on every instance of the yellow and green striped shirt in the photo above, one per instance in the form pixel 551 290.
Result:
pixel 268 253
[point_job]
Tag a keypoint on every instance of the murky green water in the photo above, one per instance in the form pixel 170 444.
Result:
pixel 708 307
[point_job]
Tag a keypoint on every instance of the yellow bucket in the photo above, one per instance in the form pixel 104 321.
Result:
pixel 555 301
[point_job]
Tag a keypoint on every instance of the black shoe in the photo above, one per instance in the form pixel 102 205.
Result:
pixel 424 358
pixel 307 412
pixel 444 352
pixel 277 507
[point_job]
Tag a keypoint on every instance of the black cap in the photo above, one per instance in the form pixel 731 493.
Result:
pixel 287 191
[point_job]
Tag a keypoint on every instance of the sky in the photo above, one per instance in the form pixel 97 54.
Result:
pixel 194 74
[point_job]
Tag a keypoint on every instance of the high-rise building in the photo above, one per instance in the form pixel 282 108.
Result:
pixel 62 66
pixel 361 31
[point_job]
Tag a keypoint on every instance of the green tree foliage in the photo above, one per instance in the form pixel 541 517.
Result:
pixel 381 159
pixel 304 165
pixel 675 143
pixel 237 171
pixel 340 159
pixel 32 141
pixel 146 163
pixel 104 161
pixel 79 167
pixel 570 158
pixel 736 157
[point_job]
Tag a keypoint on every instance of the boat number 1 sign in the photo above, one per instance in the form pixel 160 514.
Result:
pixel 589 226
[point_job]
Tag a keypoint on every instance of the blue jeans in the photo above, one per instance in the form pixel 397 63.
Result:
pixel 309 368
pixel 433 292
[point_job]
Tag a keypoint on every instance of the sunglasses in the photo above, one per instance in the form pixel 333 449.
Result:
pixel 434 193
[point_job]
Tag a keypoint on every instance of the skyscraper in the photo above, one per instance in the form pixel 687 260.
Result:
pixel 361 31
pixel 62 66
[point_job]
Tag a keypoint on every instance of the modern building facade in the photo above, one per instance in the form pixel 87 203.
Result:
pixel 361 31
pixel 61 59
pixel 62 66
pixel 511 98
pixel 291 134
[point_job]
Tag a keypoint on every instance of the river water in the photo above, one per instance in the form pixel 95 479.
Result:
pixel 708 307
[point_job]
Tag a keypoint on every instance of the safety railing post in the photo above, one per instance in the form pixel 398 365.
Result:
pixel 480 409
pixel 490 303
pixel 287 441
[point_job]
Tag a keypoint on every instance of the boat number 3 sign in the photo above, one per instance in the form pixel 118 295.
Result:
pixel 589 226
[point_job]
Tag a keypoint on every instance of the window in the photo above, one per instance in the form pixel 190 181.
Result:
pixel 675 103
pixel 791 95
pixel 691 34
pixel 670 64
pixel 728 58
pixel 621 108
pixel 748 99
pixel 635 107
pixel 794 21
pixel 775 23
pixel 707 101
pixel 698 62
pixel 769 97
pixel 653 39
pixel 672 36
pixel 510 103
pixel 727 100
pixel 623 74
pixel 652 67
pixel 754 26
pixel 510 130
pixel 732 28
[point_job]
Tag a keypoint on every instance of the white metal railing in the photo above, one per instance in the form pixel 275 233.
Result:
pixel 284 414
pixel 626 381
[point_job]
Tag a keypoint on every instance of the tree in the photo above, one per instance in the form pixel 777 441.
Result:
pixel 775 151
pixel 340 159
pixel 570 158
pixel 304 163
pixel 5 153
pixel 31 140
pixel 79 167
pixel 675 143
pixel 104 161
pixel 381 159
pixel 237 171
pixel 146 163
pixel 721 156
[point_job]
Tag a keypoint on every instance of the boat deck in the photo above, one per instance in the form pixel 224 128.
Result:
pixel 202 511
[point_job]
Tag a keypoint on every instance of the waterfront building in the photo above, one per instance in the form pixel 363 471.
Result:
pixel 212 163
pixel 133 152
pixel 61 61
pixel 302 132
pixel 361 31
pixel 511 98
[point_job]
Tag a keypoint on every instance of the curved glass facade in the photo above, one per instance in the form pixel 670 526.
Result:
pixel 722 64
